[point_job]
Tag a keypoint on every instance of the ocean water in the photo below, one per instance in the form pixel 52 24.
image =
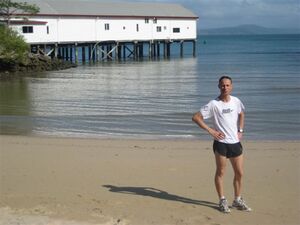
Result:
pixel 157 98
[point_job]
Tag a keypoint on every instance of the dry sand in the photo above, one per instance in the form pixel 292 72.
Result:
pixel 57 181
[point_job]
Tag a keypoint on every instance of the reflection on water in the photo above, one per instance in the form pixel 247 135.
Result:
pixel 15 102
pixel 156 99
pixel 114 89
pixel 14 98
pixel 132 98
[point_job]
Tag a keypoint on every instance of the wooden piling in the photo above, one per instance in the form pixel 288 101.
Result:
pixel 83 54
pixel 56 50
pixel 76 53
pixel 194 48
pixel 181 48
pixel 95 51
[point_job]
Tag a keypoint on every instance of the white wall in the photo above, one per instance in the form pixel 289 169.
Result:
pixel 188 29
pixel 124 30
pixel 70 29
pixel 39 33
pixel 76 30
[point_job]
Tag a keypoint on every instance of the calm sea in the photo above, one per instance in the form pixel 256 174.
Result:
pixel 157 98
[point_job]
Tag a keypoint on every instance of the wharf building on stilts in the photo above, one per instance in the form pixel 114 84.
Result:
pixel 98 30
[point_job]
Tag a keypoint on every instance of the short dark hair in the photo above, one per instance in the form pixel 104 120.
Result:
pixel 225 77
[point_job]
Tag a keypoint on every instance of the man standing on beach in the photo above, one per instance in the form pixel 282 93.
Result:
pixel 227 113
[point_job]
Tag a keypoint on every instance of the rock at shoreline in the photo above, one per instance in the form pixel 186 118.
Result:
pixel 34 63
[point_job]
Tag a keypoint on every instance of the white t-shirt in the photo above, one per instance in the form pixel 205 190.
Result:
pixel 225 117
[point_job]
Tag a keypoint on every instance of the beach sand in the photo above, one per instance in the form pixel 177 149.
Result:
pixel 62 181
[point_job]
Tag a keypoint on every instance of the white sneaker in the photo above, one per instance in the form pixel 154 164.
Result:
pixel 223 206
pixel 241 205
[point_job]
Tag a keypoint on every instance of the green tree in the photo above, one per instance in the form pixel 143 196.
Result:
pixel 13 48
pixel 10 9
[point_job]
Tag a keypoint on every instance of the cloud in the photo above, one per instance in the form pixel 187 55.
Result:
pixel 220 13
pixel 244 7
pixel 271 13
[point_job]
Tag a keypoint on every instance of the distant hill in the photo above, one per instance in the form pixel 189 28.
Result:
pixel 247 29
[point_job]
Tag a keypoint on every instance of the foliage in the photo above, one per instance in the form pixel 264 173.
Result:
pixel 13 48
pixel 9 9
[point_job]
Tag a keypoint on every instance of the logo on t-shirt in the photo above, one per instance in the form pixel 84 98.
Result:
pixel 225 111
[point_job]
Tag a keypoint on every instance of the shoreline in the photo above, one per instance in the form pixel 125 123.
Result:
pixel 73 181
pixel 187 138
pixel 33 63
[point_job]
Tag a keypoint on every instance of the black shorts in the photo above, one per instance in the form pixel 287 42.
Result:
pixel 228 150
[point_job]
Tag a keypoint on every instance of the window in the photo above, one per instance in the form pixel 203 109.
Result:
pixel 137 28
pixel 124 28
pixel 106 26
pixel 158 29
pixel 47 29
pixel 146 20
pixel 154 20
pixel 27 29
pixel 165 27
pixel 176 30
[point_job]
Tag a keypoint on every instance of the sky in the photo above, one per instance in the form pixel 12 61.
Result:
pixel 228 13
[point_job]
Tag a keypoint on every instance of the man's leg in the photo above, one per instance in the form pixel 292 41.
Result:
pixel 237 165
pixel 220 171
pixel 239 202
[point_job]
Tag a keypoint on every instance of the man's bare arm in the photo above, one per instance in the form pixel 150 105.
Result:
pixel 198 119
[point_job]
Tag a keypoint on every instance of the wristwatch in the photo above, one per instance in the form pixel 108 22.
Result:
pixel 240 130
